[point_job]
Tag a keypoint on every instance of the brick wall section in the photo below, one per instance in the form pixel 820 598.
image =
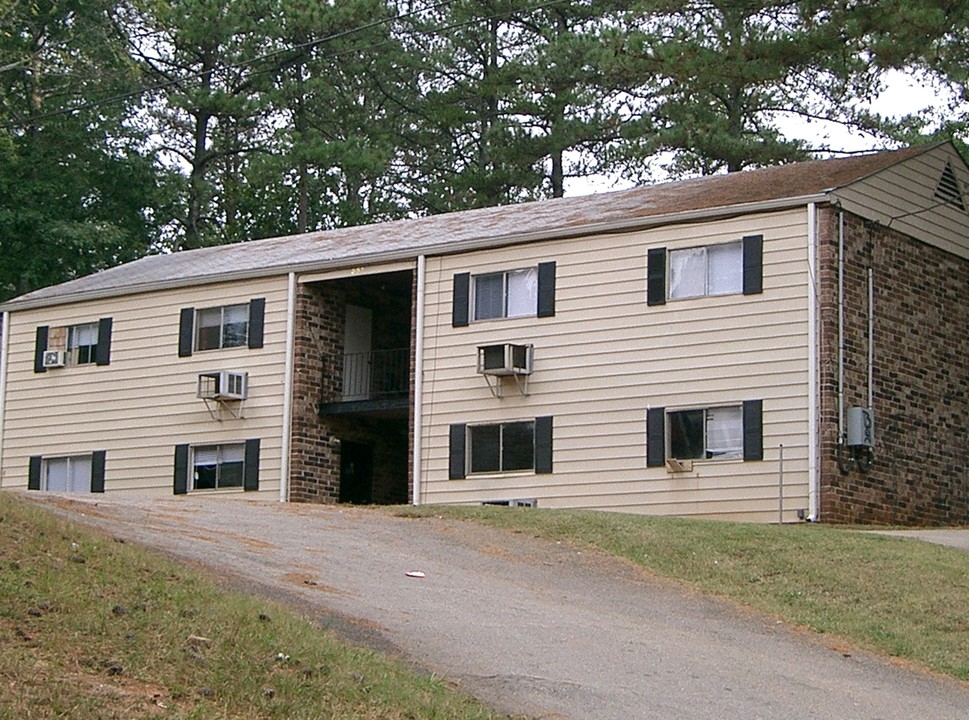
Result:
pixel 920 474
pixel 318 365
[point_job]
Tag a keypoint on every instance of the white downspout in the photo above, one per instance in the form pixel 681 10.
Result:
pixel 418 377
pixel 841 330
pixel 4 352
pixel 813 360
pixel 287 439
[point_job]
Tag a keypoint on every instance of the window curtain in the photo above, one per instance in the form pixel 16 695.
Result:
pixel 725 432
pixel 725 269
pixel 688 272
pixel 522 292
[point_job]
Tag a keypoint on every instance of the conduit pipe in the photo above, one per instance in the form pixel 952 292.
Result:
pixel 418 376
pixel 871 337
pixel 287 439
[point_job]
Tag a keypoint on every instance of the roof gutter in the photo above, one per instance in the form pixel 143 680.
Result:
pixel 444 248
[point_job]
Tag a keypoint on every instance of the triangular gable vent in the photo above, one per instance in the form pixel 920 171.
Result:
pixel 948 188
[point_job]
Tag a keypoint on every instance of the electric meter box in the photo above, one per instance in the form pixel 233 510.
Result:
pixel 861 427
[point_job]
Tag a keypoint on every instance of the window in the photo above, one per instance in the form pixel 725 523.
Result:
pixel 723 269
pixel 227 326
pixel 211 467
pixel 67 474
pixel 711 433
pixel 82 343
pixel 713 270
pixel 501 447
pixel 218 466
pixel 733 431
pixel 222 327
pixel 506 294
pixel 525 292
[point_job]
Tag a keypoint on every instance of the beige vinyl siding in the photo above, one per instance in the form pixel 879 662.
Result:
pixel 143 404
pixel 606 357
pixel 903 198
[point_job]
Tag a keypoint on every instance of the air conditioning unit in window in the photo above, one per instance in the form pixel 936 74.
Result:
pixel 223 385
pixel 505 359
pixel 54 358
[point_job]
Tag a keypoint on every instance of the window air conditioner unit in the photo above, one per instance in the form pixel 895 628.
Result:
pixel 54 358
pixel 223 385
pixel 505 359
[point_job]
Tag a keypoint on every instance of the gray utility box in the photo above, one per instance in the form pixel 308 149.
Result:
pixel 861 427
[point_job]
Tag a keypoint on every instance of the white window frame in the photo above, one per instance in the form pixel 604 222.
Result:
pixel 519 293
pixel 469 444
pixel 729 436
pixel 701 255
pixel 221 450
pixel 222 310
pixel 73 465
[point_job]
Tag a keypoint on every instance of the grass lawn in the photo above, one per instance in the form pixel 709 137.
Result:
pixel 94 629
pixel 898 597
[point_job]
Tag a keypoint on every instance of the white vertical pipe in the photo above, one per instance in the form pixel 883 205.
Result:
pixel 287 438
pixel 418 376
pixel 841 327
pixel 871 337
pixel 4 352
pixel 813 363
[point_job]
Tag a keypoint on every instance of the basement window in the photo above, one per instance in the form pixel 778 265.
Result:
pixel 67 474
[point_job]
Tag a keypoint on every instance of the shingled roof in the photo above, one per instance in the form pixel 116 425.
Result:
pixel 453 232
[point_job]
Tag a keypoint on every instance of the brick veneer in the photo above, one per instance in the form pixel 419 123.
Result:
pixel 317 368
pixel 920 473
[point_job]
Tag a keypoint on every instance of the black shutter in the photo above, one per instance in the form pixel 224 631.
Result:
pixel 656 277
pixel 33 473
pixel 656 437
pixel 543 444
pixel 546 289
pixel 181 469
pixel 753 264
pixel 97 467
pixel 460 301
pixel 186 331
pixel 102 354
pixel 753 430
pixel 456 452
pixel 251 479
pixel 257 314
pixel 40 347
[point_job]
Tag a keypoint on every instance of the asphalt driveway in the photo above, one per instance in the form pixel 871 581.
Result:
pixel 528 626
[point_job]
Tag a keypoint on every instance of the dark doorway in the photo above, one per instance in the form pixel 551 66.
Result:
pixel 356 473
